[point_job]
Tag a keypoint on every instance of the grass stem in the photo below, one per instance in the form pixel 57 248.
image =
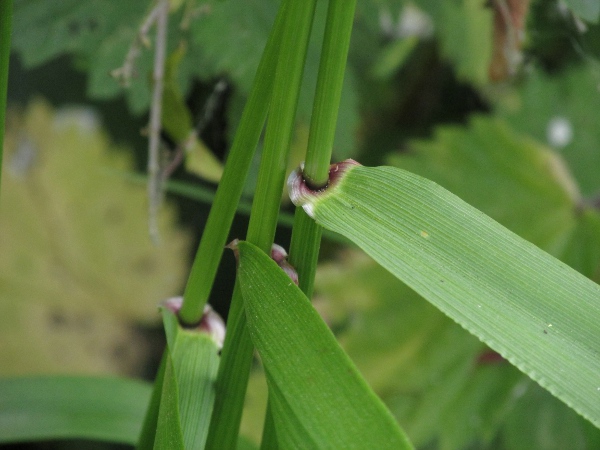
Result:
pixel 229 192
pixel 237 350
pixel 306 234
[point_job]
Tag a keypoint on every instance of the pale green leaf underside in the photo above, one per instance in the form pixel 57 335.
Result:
pixel 537 312
pixel 69 407
pixel 318 398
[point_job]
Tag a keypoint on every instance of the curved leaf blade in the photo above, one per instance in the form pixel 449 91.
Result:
pixel 169 428
pixel 69 407
pixel 318 398
pixel 537 312
pixel 189 386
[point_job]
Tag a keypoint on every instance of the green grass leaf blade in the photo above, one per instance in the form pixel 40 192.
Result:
pixel 169 428
pixel 294 22
pixel 318 398
pixel 72 407
pixel 189 385
pixel 150 424
pixel 537 312
pixel 232 182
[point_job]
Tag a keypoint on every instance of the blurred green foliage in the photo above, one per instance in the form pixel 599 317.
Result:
pixel 523 148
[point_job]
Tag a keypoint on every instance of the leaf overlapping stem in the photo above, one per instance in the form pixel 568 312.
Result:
pixel 306 234
pixel 229 192
pixel 236 358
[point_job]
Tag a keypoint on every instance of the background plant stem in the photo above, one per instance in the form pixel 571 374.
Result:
pixel 237 351
pixel 158 72
pixel 229 192
pixel 6 8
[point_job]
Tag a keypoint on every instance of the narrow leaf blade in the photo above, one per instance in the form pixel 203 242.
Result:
pixel 541 315
pixel 189 386
pixel 319 399
pixel 169 428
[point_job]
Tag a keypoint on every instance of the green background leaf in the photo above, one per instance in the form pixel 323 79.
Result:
pixel 220 38
pixel 465 34
pixel 545 105
pixel 69 407
pixel 588 10
pixel 77 269
pixel 520 183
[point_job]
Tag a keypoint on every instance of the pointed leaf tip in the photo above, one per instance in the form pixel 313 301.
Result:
pixel 233 246
pixel 303 195
pixel 278 254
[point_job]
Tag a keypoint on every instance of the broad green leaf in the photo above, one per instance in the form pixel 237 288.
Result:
pixel 69 407
pixel 588 10
pixel 535 311
pixel 527 188
pixel 77 268
pixel 318 398
pixel 440 382
pixel 188 388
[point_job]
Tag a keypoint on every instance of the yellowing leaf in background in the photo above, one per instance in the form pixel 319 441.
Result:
pixel 77 269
